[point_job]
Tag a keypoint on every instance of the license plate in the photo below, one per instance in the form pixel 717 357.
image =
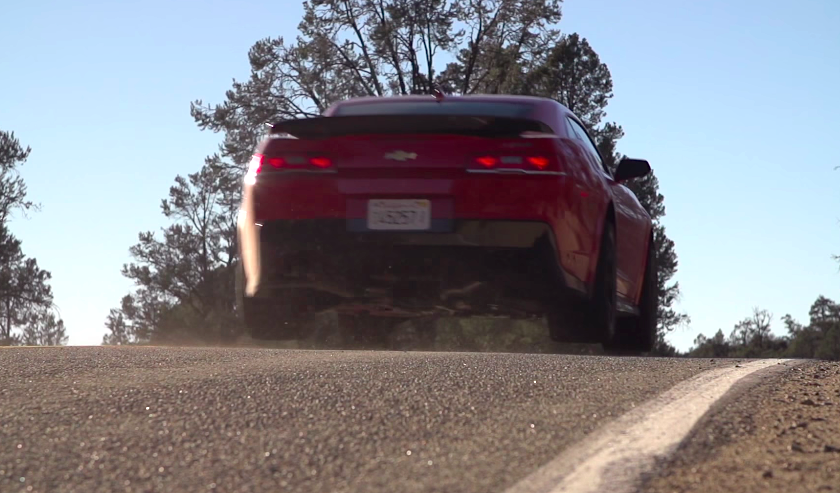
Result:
pixel 400 215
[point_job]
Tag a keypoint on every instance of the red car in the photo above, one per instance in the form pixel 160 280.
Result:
pixel 385 209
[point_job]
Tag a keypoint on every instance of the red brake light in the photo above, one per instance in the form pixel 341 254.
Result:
pixel 513 163
pixel 487 161
pixel 285 163
pixel 538 161
pixel 320 162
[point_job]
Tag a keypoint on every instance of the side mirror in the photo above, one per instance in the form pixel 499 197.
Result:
pixel 631 168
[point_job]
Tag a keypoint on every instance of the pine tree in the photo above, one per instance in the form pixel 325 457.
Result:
pixel 184 279
pixel 25 293
pixel 44 329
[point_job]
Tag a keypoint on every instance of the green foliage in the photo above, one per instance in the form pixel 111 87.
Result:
pixel 716 347
pixel 376 48
pixel 184 279
pixel 752 337
pixel 12 187
pixel 574 75
pixel 44 329
pixel 26 299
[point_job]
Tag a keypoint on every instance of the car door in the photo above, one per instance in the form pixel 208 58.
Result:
pixel 629 233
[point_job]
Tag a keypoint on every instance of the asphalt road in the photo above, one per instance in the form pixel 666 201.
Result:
pixel 171 419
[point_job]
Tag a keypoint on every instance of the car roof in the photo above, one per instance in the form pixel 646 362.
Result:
pixel 478 98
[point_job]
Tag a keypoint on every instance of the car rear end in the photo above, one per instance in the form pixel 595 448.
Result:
pixel 400 202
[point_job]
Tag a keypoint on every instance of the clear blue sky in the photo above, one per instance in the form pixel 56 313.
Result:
pixel 735 104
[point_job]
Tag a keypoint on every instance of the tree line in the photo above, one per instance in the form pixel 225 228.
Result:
pixel 184 274
pixel 28 315
pixel 752 336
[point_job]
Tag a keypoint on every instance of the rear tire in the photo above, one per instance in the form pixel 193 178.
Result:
pixel 590 321
pixel 601 309
pixel 637 334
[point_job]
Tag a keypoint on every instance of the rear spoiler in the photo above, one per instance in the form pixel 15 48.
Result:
pixel 324 127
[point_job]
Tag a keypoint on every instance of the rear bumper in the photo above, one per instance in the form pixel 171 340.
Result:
pixel 524 251
pixel 299 212
pixel 340 234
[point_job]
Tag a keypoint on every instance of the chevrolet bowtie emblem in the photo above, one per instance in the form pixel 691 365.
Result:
pixel 401 155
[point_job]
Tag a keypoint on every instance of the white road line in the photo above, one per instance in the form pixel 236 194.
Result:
pixel 614 458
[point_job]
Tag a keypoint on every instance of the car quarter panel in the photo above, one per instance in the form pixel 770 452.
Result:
pixel 587 182
pixel 634 233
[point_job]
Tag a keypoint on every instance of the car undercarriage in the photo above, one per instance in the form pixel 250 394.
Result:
pixel 412 281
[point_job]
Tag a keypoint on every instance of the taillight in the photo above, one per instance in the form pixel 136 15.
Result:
pixel 487 161
pixel 515 163
pixel 320 162
pixel 538 162
pixel 258 163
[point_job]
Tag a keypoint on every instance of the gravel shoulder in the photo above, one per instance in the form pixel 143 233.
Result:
pixel 781 435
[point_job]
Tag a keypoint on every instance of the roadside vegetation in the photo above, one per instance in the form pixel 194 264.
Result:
pixel 28 315
pixel 752 337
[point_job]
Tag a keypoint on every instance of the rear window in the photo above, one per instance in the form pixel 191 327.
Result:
pixel 471 108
